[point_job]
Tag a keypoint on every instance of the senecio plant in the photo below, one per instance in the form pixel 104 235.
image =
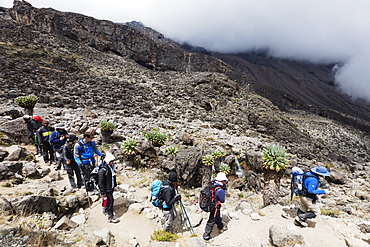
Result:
pixel 225 168
pixel 218 153
pixel 274 158
pixel 106 125
pixel 156 137
pixel 129 146
pixel 208 160
pixel 26 101
pixel 172 151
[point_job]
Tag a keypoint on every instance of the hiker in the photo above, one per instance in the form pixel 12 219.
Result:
pixel 70 164
pixel 106 183
pixel 32 127
pixel 308 208
pixel 215 213
pixel 84 152
pixel 169 197
pixel 57 139
pixel 44 135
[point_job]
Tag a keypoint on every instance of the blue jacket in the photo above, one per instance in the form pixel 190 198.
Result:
pixel 311 184
pixel 55 138
pixel 219 193
pixel 84 152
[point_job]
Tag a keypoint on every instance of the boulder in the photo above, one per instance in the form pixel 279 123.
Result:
pixel 104 237
pixel 8 169
pixel 34 204
pixel 16 152
pixel 5 205
pixel 3 154
pixel 283 237
pixel 65 224
pixel 15 130
pixel 30 170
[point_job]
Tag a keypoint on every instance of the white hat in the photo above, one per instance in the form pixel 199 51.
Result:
pixel 221 177
pixel 109 157
pixel 26 117
pixel 60 126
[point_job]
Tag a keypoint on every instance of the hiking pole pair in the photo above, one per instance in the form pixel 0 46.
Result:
pixel 187 217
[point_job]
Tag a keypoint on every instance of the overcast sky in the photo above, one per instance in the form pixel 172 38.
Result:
pixel 313 30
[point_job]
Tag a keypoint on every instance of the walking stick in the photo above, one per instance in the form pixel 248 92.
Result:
pixel 187 217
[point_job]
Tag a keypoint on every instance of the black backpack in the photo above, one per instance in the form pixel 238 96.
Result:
pixel 207 196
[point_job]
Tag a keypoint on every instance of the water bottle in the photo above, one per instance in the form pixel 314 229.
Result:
pixel 105 201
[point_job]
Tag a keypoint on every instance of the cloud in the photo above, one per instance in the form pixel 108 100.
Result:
pixel 330 31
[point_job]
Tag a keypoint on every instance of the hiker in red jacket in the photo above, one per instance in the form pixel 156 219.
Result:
pixel 32 127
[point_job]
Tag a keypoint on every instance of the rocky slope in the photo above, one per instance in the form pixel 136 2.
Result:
pixel 85 70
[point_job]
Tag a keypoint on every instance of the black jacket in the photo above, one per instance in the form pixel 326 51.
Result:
pixel 105 181
pixel 168 194
pixel 67 153
pixel 32 127
pixel 44 134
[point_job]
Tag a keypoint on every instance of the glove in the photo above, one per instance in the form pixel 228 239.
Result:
pixel 327 191
pixel 178 197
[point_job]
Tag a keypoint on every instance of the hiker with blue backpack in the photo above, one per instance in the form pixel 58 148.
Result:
pixel 84 152
pixel 308 193
pixel 57 139
pixel 218 194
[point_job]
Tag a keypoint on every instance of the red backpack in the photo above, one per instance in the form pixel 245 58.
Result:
pixel 37 118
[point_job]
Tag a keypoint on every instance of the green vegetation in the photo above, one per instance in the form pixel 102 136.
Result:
pixel 129 146
pixel 156 137
pixel 6 185
pixel 218 153
pixel 106 125
pixel 225 168
pixel 26 101
pixel 164 236
pixel 330 212
pixel 172 151
pixel 274 158
pixel 208 160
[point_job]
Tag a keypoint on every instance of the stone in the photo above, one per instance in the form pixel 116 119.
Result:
pixel 280 236
pixel 5 205
pixel 30 170
pixel 8 169
pixel 65 224
pixel 255 216
pixel 34 204
pixel 105 236
pixel 79 219
pixel 16 152
pixel 136 208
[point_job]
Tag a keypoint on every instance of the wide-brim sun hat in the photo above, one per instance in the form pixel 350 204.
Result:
pixel 320 170
pixel 221 177
pixel 109 157
pixel 60 126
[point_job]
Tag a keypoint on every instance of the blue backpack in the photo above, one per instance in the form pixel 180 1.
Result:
pixel 296 185
pixel 155 193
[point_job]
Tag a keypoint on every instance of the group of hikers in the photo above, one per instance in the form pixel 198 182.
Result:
pixel 77 157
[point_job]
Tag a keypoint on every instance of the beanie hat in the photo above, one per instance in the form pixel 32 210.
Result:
pixel 109 157
pixel 172 177
pixel 26 117
pixel 72 138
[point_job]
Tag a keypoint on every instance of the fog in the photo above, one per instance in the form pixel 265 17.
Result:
pixel 330 31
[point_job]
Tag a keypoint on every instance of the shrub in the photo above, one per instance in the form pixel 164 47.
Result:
pixel 225 168
pixel 208 160
pixel 330 212
pixel 26 101
pixel 172 151
pixel 129 146
pixel 106 125
pixel 274 157
pixel 218 153
pixel 163 236
pixel 156 137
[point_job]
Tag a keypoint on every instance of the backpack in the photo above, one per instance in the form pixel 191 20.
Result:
pixel 296 185
pixel 207 195
pixel 156 189
pixel 37 118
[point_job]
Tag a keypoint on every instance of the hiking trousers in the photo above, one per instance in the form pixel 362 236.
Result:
pixel 110 201
pixel 47 152
pixel 72 169
pixel 308 209
pixel 214 218
pixel 169 216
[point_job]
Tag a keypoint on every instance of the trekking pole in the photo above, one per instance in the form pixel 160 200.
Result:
pixel 187 217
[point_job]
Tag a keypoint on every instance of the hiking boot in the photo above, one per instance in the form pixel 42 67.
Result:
pixel 301 222
pixel 223 229
pixel 206 237
pixel 114 219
